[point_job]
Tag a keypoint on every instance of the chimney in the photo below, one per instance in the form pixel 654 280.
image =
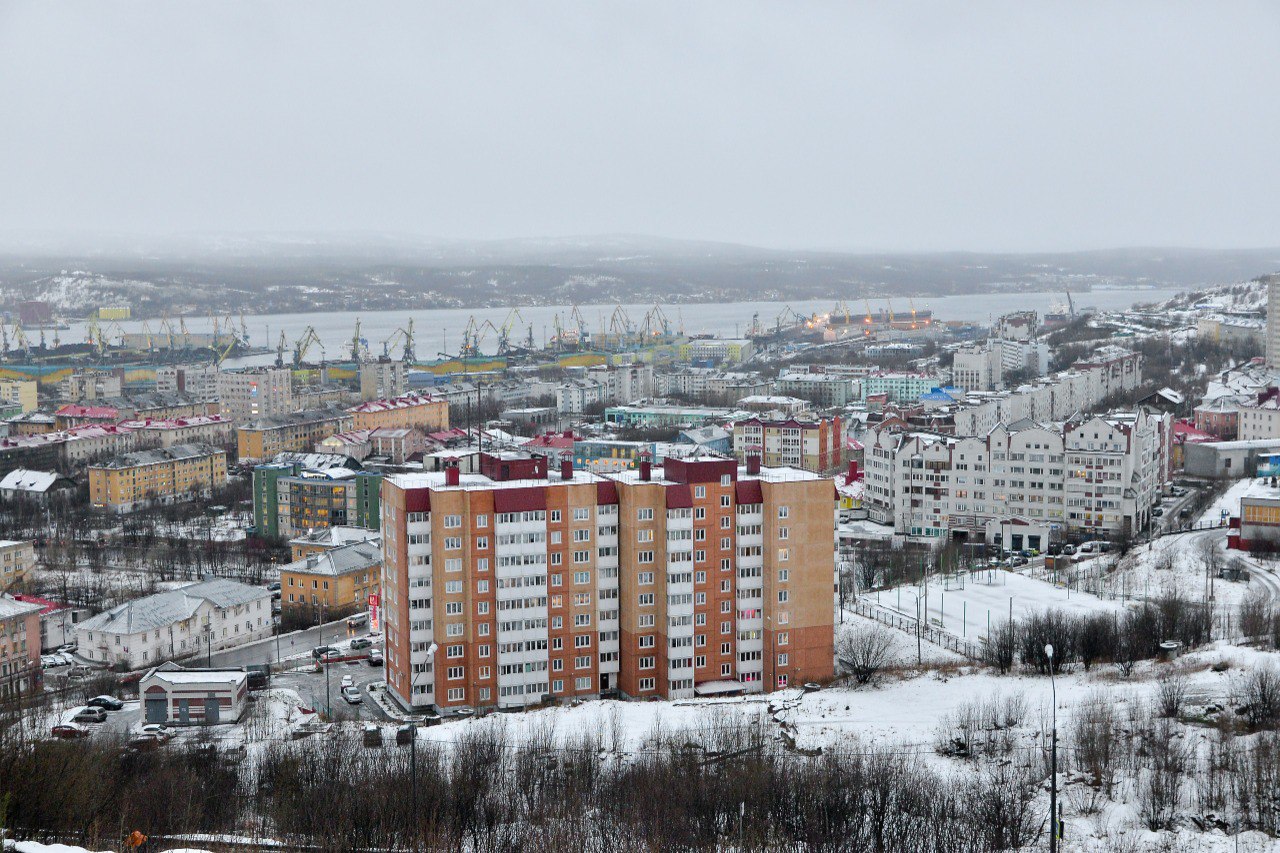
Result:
pixel 452 476
pixel 753 463
pixel 566 468
pixel 646 467
pixel 853 471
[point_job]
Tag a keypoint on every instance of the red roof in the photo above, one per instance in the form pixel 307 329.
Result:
pixel 749 492
pixel 606 492
pixel 71 410
pixel 1184 432
pixel 47 605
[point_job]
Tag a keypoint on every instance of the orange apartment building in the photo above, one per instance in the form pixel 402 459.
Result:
pixel 407 411
pixel 135 480
pixel 514 585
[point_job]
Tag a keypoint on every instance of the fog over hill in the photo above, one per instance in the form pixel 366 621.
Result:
pixel 301 272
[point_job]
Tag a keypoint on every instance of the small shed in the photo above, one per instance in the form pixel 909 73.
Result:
pixel 184 697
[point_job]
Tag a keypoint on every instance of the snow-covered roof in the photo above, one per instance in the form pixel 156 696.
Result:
pixel 10 607
pixel 341 560
pixel 166 608
pixel 26 480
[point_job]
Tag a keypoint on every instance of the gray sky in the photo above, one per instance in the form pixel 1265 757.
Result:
pixel 985 126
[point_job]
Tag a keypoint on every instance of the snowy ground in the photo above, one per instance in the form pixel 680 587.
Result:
pixel 965 604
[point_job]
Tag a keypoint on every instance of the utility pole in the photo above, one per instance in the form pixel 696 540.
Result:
pixel 1054 822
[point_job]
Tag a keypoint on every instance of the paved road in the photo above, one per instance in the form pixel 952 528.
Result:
pixel 289 645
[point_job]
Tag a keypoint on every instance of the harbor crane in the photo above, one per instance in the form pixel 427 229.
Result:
pixel 401 334
pixel 303 345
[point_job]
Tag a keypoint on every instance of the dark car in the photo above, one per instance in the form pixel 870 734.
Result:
pixel 70 731
pixel 106 703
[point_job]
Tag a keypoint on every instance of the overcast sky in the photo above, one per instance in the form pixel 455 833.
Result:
pixel 984 126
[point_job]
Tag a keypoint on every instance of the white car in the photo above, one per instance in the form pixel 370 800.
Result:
pixel 352 695
pixel 348 681
pixel 157 730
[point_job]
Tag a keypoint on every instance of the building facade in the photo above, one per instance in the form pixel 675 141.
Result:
pixel 17 560
pixel 255 392
pixel 810 445
pixel 334 583
pixel 1094 477
pixel 198 619
pixel 406 411
pixel 20 672
pixel 296 432
pixel 134 480
pixel 290 499
pixel 516 585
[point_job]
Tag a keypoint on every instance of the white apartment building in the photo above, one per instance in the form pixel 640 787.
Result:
pixel 195 619
pixel 1053 398
pixel 701 381
pixel 255 392
pixel 605 385
pixel 198 381
pixel 1092 477
pixel 826 389
pixel 1273 320
pixel 977 368
pixel 1260 420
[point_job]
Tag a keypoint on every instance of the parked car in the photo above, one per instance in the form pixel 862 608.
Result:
pixel 361 643
pixel 347 681
pixel 352 695
pixel 70 731
pixel 90 715
pixel 1068 550
pixel 320 652
pixel 106 703
pixel 157 730
pixel 274 586
pixel 375 657
pixel 145 741
pixel 80 671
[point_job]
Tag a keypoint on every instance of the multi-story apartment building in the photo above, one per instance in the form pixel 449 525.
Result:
pixel 1260 419
pixel 605 384
pixel 411 410
pixel 825 389
pixel 717 350
pixel 1094 476
pixel 899 387
pixel 1052 398
pixel 255 392
pixel 662 414
pixel 320 587
pixel 19 393
pixel 20 672
pixel 92 384
pixel 977 368
pixel 704 382
pixel 17 559
pixel 133 480
pixel 1273 320
pixel 296 432
pixel 811 445
pixel 382 378
pixel 203 429
pixel 292 498
pixel 513 585
pixel 199 381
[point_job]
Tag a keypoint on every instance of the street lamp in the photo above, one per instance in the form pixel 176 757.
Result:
pixel 413 743
pixel 1053 760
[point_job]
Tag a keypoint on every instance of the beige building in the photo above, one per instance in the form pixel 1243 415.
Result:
pixel 145 477
pixel 217 430
pixel 427 413
pixel 321 587
pixel 17 559
pixel 298 432
pixel 19 392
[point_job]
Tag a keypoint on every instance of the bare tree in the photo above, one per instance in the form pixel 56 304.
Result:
pixel 866 650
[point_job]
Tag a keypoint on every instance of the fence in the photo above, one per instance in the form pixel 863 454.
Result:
pixel 910 625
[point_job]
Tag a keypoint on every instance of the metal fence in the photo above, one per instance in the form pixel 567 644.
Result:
pixel 910 625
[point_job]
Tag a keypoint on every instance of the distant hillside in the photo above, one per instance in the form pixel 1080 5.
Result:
pixel 293 273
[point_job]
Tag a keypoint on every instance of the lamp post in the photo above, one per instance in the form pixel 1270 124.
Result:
pixel 1053 759
pixel 413 746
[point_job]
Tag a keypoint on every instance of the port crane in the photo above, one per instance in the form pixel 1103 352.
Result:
pixel 405 334
pixel 303 345
pixel 280 348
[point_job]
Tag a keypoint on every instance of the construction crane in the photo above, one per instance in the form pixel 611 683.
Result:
pixel 186 335
pixel 504 332
pixel 220 353
pixel 20 339
pixel 244 330
pixel 167 328
pixel 147 336
pixel 303 345
pixel 1071 305
pixel 656 322
pixel 405 334
pixel 912 302
pixel 584 335
pixel 280 348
